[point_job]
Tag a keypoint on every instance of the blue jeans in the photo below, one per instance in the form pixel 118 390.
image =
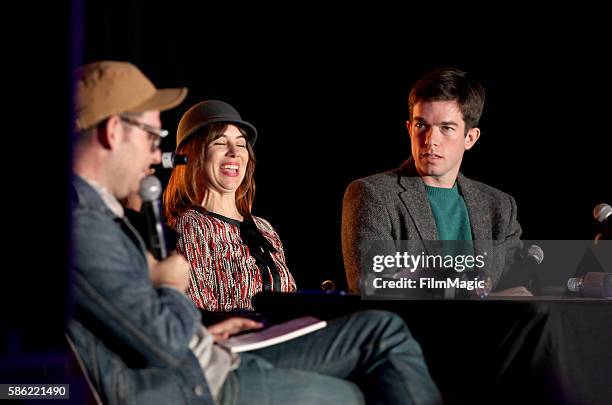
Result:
pixel 366 357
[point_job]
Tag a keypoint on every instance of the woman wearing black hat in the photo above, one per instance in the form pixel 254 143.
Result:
pixel 233 254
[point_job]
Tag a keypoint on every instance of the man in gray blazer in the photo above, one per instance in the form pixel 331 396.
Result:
pixel 426 198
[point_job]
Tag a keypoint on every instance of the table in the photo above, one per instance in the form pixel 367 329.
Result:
pixel 537 350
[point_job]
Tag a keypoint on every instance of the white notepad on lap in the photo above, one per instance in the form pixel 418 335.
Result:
pixel 274 334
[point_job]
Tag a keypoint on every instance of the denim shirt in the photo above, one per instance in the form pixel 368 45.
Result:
pixel 133 338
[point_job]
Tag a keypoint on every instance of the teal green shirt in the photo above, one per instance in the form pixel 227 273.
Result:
pixel 450 213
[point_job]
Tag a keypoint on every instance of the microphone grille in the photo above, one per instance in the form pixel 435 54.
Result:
pixel 536 252
pixel 150 188
pixel 601 212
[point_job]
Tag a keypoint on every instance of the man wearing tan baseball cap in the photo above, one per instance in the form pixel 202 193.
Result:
pixel 117 99
pixel 132 325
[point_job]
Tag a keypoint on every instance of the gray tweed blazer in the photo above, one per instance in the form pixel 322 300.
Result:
pixel 394 206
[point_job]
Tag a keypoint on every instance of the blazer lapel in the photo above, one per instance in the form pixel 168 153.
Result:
pixel 415 199
pixel 480 215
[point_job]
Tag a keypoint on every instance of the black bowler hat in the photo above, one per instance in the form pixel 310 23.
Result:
pixel 208 112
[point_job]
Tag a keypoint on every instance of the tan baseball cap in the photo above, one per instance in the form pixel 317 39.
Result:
pixel 110 87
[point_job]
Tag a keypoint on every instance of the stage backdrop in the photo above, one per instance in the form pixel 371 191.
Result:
pixel 329 100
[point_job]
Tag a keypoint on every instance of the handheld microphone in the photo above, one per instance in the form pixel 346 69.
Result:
pixel 533 257
pixel 603 215
pixel 171 159
pixel 592 284
pixel 150 191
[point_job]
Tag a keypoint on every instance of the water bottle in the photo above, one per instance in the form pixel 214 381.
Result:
pixel 592 284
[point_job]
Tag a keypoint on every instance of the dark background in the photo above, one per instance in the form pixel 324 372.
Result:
pixel 328 95
pixel 327 91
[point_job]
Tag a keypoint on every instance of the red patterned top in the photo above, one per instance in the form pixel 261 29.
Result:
pixel 224 274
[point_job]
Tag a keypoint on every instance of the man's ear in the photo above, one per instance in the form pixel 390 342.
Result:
pixel 471 138
pixel 111 133
pixel 408 128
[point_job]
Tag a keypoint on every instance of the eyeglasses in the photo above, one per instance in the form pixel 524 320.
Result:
pixel 155 134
